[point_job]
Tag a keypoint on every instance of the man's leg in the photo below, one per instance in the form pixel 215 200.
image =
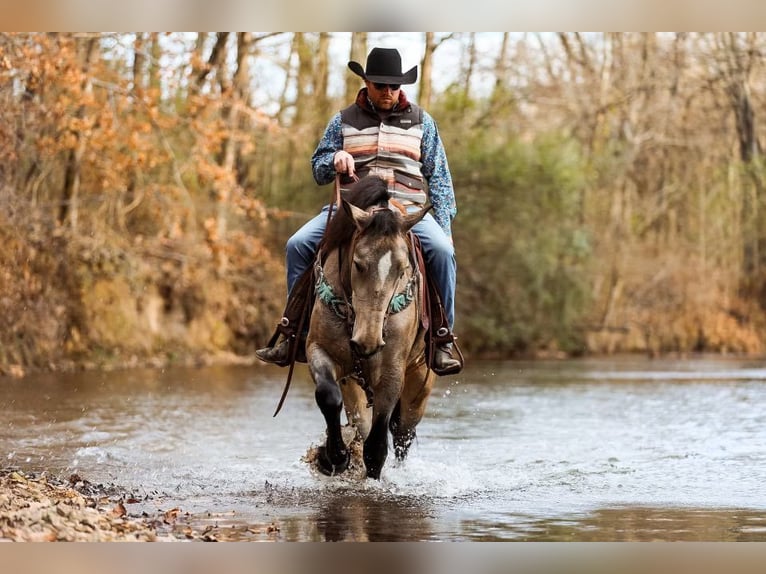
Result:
pixel 439 255
pixel 301 248
pixel 300 251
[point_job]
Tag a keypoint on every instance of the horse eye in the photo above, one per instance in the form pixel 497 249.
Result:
pixel 359 266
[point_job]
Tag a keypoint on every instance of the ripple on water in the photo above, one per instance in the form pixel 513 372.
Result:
pixel 554 440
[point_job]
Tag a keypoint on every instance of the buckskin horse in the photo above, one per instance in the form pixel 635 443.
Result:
pixel 365 347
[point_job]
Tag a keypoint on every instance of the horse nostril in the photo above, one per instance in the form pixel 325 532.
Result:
pixel 363 352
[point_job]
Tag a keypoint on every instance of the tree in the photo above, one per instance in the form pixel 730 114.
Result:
pixel 357 53
pixel 87 50
pixel 737 57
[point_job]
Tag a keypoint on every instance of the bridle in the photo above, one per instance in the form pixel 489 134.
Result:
pixel 342 305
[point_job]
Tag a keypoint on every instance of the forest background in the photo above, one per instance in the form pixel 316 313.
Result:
pixel 610 189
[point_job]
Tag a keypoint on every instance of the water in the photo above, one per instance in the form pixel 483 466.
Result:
pixel 624 449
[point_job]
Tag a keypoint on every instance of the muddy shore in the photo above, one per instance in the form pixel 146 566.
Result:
pixel 40 508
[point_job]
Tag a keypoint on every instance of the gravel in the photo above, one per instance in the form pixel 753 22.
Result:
pixel 39 508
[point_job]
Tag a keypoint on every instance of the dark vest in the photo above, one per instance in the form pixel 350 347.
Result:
pixel 388 148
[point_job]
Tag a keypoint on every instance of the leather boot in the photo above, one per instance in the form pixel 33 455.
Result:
pixel 444 363
pixel 279 354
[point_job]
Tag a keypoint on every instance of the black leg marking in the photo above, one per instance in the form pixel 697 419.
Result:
pixel 333 458
pixel 376 448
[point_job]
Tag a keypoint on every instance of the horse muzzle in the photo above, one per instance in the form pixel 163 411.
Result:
pixel 366 351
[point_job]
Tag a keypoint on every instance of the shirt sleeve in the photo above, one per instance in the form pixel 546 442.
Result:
pixel 436 171
pixel 322 160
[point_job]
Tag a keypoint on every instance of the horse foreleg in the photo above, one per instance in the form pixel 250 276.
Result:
pixel 376 446
pixel 403 436
pixel 375 451
pixel 355 403
pixel 409 411
pixel 333 458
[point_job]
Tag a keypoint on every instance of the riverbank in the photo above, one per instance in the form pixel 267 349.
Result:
pixel 161 361
pixel 39 508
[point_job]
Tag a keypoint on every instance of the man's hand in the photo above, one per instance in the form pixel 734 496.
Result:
pixel 344 163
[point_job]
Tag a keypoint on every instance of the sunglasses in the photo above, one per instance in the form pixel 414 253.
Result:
pixel 381 87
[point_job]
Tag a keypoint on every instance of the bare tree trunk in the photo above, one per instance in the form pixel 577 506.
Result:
pixel 320 81
pixel 426 70
pixel 289 74
pixel 737 66
pixel 217 56
pixel 739 63
pixel 154 63
pixel 198 68
pixel 501 70
pixel 88 52
pixel 139 62
pixel 585 58
pixel 546 58
pixel 139 84
pixel 358 53
pixel 227 155
pixel 469 68
pixel 305 65
pixel 242 80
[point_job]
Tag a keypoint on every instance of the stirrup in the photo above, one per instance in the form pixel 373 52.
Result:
pixel 452 365
pixel 278 354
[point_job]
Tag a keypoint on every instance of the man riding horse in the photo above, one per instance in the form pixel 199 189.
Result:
pixel 382 133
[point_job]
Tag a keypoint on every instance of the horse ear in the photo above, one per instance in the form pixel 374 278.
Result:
pixel 360 217
pixel 413 218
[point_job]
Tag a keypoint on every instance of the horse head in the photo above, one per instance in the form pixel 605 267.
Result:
pixel 380 268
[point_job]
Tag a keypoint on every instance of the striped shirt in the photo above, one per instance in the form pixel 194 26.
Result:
pixel 435 168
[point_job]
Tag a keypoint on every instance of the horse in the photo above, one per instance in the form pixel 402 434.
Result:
pixel 365 346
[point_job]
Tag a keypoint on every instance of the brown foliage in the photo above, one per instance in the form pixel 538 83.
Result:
pixel 36 304
pixel 109 180
pixel 667 303
pixel 135 175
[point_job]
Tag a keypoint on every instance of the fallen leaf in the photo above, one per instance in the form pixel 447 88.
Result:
pixel 171 515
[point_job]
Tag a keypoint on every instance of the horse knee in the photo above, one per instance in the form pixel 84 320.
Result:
pixel 328 396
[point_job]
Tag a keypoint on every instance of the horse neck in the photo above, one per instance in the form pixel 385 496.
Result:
pixel 335 266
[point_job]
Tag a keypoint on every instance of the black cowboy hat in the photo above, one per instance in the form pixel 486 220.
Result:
pixel 384 65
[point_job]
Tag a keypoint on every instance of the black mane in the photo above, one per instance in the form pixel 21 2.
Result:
pixel 370 191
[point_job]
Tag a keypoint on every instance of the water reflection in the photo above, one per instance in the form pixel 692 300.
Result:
pixel 569 450
pixel 629 525
pixel 359 518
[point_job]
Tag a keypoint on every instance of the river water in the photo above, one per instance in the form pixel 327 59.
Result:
pixel 609 450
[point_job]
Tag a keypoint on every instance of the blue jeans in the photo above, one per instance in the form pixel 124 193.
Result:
pixel 438 252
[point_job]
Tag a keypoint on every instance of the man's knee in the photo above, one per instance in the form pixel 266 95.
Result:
pixel 298 247
pixel 293 245
pixel 440 251
pixel 436 244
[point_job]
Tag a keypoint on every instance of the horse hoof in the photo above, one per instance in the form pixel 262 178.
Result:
pixel 373 473
pixel 326 466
